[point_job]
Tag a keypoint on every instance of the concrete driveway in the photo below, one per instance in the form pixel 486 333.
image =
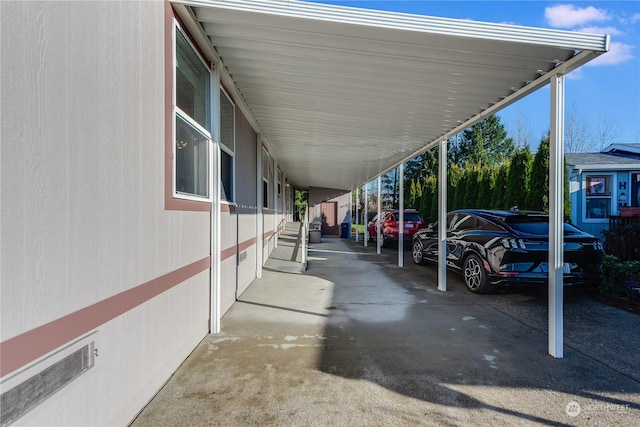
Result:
pixel 355 340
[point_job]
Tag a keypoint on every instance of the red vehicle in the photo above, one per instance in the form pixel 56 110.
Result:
pixel 389 219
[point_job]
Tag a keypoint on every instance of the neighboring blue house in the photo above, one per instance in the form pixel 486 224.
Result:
pixel 600 184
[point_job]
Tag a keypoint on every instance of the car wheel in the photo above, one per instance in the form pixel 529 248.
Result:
pixel 475 276
pixel 418 257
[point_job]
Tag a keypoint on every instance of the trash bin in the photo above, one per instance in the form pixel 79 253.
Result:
pixel 315 236
pixel 345 230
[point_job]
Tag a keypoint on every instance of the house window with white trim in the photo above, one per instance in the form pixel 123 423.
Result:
pixel 192 122
pixel 598 196
pixel 279 182
pixel 227 146
pixel 266 166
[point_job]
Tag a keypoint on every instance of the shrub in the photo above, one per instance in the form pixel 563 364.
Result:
pixel 618 274
pixel 623 242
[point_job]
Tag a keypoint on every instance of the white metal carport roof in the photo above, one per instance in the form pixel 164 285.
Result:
pixel 341 94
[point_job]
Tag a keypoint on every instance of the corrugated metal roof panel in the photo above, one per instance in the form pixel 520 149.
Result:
pixel 342 94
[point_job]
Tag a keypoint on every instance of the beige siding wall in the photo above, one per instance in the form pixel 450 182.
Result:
pixel 83 216
pixel 318 195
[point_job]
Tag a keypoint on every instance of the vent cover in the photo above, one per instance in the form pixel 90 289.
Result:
pixel 30 393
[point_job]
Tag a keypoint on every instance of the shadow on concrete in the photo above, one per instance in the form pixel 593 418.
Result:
pixel 355 340
pixel 484 353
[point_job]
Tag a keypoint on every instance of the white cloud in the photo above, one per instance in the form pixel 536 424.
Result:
pixel 612 31
pixel 569 16
pixel 575 74
pixel 618 53
pixel 631 20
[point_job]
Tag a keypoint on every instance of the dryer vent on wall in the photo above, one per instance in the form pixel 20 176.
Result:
pixel 28 394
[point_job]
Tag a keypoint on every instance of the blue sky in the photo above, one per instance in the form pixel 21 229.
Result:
pixel 601 98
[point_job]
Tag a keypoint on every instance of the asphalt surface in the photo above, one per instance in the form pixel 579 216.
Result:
pixel 356 340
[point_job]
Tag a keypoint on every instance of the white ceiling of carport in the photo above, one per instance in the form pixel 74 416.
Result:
pixel 342 94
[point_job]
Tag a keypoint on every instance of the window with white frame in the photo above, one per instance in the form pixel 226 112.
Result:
pixel 598 196
pixel 279 182
pixel 266 166
pixel 192 121
pixel 227 146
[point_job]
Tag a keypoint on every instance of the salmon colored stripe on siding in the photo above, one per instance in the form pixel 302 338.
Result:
pixel 246 244
pixel 228 253
pixel 29 346
pixel 233 250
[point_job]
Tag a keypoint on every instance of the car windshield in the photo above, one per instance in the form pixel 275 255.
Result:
pixel 537 225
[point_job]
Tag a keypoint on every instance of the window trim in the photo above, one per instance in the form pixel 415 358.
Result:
pixel 170 201
pixel 177 111
pixel 607 195
pixel 279 182
pixel 265 177
pixel 188 196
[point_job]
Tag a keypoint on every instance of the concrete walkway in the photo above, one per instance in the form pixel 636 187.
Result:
pixel 355 340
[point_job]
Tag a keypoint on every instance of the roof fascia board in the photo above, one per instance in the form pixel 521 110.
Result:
pixel 418 23
pixel 570 65
pixel 605 167
pixel 622 147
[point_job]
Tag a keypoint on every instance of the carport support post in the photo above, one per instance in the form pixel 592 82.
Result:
pixel 357 211
pixel 214 158
pixel 401 216
pixel 379 211
pixel 259 204
pixel 556 217
pixel 442 216
pixel 365 237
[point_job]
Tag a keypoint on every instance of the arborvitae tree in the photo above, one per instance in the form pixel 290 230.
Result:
pixel 472 187
pixel 418 193
pixel 460 192
pixel 423 203
pixel 434 199
pixel 429 200
pixel 538 198
pixel 567 199
pixel 419 168
pixel 478 201
pixel 411 198
pixel 487 185
pixel 498 196
pixel 453 176
pixel 518 178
